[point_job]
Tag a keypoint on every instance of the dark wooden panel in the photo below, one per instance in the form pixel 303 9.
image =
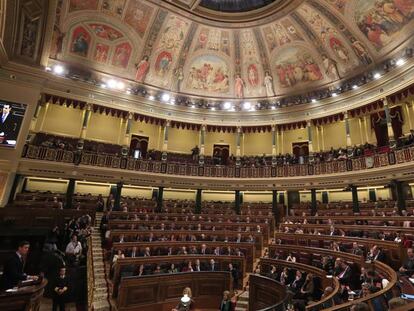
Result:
pixel 162 292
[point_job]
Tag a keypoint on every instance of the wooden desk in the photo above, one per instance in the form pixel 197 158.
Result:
pixel 221 261
pixel 266 294
pixel 26 298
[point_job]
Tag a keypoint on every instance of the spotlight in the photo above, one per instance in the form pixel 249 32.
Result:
pixel 120 85
pixel 313 100
pixel 58 69
pixel 213 108
pixel 192 106
pixel 247 105
pixel 400 62
pixel 151 97
pixel 165 97
pixel 377 76
pixel 334 94
pixel 227 105
pixel 112 84
pixel 172 101
pixel 355 86
pixel 252 109
pixel 273 107
pixel 48 68
pixel 128 91
pixel 103 85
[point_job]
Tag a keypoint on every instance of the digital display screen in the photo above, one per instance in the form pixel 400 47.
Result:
pixel 11 118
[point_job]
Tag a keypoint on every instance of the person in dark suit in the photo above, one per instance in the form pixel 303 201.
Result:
pixel 212 266
pixel 60 290
pixel 14 266
pixel 234 275
pixel 8 124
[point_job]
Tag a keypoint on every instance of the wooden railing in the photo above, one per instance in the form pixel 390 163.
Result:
pixel 117 162
pixel 266 294
pixel 163 291
pixel 90 274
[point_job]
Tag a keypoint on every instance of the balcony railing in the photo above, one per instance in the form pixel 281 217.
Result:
pixel 392 157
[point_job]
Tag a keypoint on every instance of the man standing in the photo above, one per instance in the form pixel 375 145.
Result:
pixel 14 266
pixel 8 124
pixel 60 290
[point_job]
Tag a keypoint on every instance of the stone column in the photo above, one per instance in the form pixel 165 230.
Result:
pixel 237 202
pixel 35 116
pixel 70 190
pixel 347 131
pixel 17 180
pixel 355 202
pixel 117 203
pixel 309 129
pixel 274 144
pixel 85 123
pixel 238 139
pixel 127 137
pixel 202 146
pixel 165 141
pixel 198 201
pixel 160 199
pixel 274 204
pixel 314 205
pixel 391 138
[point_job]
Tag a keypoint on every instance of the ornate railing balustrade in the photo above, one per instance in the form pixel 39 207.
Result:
pixel 378 160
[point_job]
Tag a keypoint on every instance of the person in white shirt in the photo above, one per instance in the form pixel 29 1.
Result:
pixel 74 248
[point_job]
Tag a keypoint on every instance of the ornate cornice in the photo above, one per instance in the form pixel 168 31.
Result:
pixel 390 83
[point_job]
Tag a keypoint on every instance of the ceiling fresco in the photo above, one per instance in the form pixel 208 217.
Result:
pixel 318 43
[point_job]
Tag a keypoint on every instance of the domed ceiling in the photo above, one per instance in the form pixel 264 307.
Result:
pixel 160 44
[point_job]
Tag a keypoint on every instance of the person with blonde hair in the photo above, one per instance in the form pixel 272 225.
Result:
pixel 186 302
pixel 225 302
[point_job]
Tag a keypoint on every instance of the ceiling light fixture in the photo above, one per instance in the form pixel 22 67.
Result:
pixel 151 97
pixel 334 94
pixel 120 85
pixel 103 85
pixel 313 100
pixel 355 86
pixel 192 106
pixel 165 97
pixel 227 105
pixel 58 69
pixel 377 76
pixel 273 107
pixel 400 62
pixel 112 84
pixel 48 68
pixel 213 108
pixel 247 105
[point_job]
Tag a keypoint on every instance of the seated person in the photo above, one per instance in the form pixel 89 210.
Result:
pixel 74 249
pixel 13 267
pixel 408 267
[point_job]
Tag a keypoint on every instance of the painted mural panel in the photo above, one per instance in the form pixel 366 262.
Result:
pixel 295 66
pixel 106 32
pixel 380 20
pixel 166 50
pixel 138 16
pixel 101 53
pixel 329 37
pixel 209 73
pixel 113 7
pixel 77 5
pixel 122 55
pixel 80 42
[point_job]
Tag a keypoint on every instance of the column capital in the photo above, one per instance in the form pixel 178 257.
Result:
pixel 89 106
pixel 308 123
pixel 385 101
pixel 167 123
pixel 273 127
pixel 239 129
pixel 130 115
pixel 346 116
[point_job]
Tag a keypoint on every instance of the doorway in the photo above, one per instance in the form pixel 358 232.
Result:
pixel 138 147
pixel 221 154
